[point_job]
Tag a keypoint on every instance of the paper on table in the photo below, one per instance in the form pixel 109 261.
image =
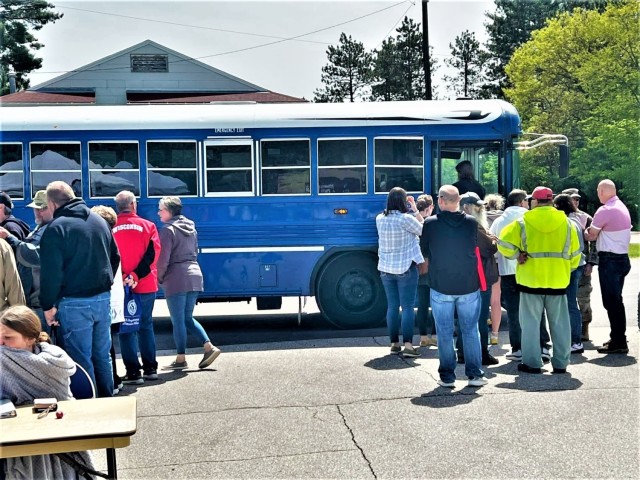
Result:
pixel 7 408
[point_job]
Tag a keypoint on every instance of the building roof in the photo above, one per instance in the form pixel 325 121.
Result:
pixel 112 80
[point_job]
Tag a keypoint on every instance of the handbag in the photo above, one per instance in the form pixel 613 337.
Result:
pixel 132 311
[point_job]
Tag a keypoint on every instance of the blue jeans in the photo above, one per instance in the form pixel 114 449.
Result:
pixel 400 290
pixel 574 310
pixel 483 328
pixel 85 327
pixel 181 310
pixel 468 308
pixel 424 318
pixel 144 339
pixel 612 268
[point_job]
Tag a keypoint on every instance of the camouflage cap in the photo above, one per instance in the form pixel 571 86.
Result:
pixel 39 200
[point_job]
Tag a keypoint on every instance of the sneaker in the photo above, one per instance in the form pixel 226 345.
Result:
pixel 176 366
pixel 577 348
pixel 522 367
pixel 494 339
pixel 489 359
pixel 447 384
pixel 133 379
pixel 150 375
pixel 610 348
pixel 477 382
pixel 559 370
pixel 410 352
pixel 515 355
pixel 434 341
pixel 546 355
pixel 209 357
pixel 395 349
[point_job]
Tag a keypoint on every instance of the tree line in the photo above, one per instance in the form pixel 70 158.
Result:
pixel 570 67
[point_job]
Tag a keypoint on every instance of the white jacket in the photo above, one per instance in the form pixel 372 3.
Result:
pixel 511 214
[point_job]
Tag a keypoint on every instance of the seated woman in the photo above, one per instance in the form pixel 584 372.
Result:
pixel 32 368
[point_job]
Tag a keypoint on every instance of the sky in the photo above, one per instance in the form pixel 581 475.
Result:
pixel 251 40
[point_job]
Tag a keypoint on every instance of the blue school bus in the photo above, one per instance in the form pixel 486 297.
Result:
pixel 284 196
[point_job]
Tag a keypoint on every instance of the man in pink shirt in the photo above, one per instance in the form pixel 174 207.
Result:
pixel 611 228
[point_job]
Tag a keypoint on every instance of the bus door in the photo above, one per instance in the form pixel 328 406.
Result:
pixel 487 158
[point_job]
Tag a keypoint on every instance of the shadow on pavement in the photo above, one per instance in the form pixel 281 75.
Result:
pixel 441 397
pixel 542 383
pixel 614 360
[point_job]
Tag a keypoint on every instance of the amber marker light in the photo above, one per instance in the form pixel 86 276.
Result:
pixel 340 211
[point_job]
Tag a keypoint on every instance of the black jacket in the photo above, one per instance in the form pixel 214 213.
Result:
pixel 449 241
pixel 468 185
pixel 16 227
pixel 78 255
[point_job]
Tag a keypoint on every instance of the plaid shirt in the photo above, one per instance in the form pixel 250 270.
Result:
pixel 398 244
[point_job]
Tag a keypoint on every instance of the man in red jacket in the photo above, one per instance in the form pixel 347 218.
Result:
pixel 139 246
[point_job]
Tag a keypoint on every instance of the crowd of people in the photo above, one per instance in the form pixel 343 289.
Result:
pixel 66 280
pixel 62 300
pixel 535 258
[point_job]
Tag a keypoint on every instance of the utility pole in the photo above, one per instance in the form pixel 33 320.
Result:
pixel 425 50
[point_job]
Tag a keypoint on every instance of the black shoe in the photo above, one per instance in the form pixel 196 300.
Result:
pixel 559 370
pixel 527 369
pixel 133 379
pixel 489 359
pixel 611 348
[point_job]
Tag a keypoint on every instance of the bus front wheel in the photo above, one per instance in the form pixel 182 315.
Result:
pixel 349 292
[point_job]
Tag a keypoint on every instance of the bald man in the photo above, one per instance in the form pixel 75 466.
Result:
pixel 449 241
pixel 611 229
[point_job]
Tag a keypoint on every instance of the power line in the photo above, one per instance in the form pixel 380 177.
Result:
pixel 164 22
pixel 281 40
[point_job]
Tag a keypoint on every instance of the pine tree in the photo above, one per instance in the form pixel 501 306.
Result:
pixel 17 17
pixel 467 59
pixel 348 73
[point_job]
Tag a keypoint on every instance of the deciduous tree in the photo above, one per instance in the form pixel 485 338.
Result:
pixel 580 76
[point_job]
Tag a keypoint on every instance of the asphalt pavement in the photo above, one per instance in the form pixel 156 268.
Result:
pixel 310 402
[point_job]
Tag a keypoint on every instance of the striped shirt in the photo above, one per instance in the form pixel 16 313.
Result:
pixel 398 244
pixel 614 222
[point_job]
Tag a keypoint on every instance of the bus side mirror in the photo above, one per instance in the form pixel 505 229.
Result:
pixel 564 161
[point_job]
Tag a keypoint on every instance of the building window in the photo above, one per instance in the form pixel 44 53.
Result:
pixel 286 167
pixel 172 168
pixel 342 165
pixel 229 167
pixel 11 170
pixel 113 167
pixel 149 63
pixel 53 161
pixel 399 162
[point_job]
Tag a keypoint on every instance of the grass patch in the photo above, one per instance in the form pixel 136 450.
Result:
pixel 634 250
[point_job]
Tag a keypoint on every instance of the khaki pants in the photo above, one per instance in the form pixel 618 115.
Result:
pixel 584 298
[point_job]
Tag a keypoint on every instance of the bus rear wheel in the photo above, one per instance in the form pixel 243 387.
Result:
pixel 349 292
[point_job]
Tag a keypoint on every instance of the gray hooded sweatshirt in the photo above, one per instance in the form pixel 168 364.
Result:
pixel 178 269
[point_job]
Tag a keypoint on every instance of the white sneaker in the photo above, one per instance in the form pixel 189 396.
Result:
pixel 517 355
pixel 478 382
pixel 546 355
pixel 446 384
pixel 577 348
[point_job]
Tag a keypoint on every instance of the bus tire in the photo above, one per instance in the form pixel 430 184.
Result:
pixel 349 291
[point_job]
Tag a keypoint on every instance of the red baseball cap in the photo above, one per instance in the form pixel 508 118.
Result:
pixel 542 193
